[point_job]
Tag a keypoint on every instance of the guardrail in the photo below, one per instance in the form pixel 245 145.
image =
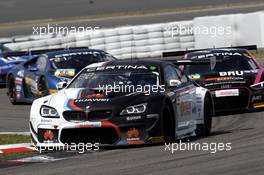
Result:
pixel 151 40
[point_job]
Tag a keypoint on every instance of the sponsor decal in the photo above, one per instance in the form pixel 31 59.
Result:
pixel 231 73
pixel 159 139
pixel 46 120
pixel 20 73
pixel 18 88
pixel 64 72
pixel 256 98
pixel 90 125
pixel 117 67
pixel 223 78
pixel 133 118
pixel 53 91
pixel 258 105
pixel 185 108
pixel 18 80
pixel 98 95
pixel 133 133
pixel 219 54
pixel 48 135
pixel 194 77
pixel 91 100
pixel 227 93
pixel 73 54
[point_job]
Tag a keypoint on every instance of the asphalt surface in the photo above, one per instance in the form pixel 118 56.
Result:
pixel 18 10
pixel 27 28
pixel 12 118
pixel 245 132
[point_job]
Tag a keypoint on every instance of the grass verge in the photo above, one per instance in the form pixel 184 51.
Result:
pixel 13 139
pixel 258 54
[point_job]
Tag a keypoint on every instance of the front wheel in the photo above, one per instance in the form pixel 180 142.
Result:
pixel 205 128
pixel 168 125
pixel 11 90
pixel 43 88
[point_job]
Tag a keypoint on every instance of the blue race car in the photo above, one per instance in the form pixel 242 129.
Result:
pixel 7 62
pixel 9 59
pixel 40 76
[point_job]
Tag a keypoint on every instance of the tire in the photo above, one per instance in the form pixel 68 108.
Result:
pixel 11 89
pixel 167 125
pixel 43 88
pixel 205 128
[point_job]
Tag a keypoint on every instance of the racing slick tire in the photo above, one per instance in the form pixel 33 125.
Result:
pixel 167 124
pixel 205 128
pixel 43 88
pixel 11 89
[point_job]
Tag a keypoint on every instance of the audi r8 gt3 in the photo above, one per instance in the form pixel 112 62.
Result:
pixel 40 75
pixel 234 78
pixel 122 103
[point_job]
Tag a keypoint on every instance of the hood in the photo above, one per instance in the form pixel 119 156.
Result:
pixel 79 99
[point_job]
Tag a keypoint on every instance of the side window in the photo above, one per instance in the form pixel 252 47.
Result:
pixel 41 63
pixel 170 73
pixel 182 76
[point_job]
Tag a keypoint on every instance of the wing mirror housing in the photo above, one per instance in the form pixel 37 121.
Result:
pixel 61 85
pixel 174 83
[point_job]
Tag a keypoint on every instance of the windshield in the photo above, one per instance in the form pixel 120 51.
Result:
pixel 103 79
pixel 223 63
pixel 79 60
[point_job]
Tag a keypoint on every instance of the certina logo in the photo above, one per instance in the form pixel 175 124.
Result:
pixel 231 73
pixel 76 54
pixel 117 67
pixel 219 54
pixel 91 100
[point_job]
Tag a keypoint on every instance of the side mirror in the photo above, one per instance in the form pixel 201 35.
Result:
pixel 61 85
pixel 33 69
pixel 175 83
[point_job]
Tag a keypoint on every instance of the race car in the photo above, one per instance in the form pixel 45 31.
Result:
pixel 123 103
pixel 9 59
pixel 234 78
pixel 40 75
pixel 8 62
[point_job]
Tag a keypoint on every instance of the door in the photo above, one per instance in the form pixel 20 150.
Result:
pixel 33 70
pixel 185 97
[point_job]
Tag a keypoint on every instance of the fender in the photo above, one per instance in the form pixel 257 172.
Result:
pixel 201 94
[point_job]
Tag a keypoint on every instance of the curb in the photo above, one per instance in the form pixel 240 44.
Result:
pixel 17 148
pixel 15 133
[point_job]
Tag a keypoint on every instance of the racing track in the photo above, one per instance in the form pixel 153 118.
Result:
pixel 244 131
pixel 20 10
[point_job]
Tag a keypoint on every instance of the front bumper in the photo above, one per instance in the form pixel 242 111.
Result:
pixel 245 100
pixel 125 130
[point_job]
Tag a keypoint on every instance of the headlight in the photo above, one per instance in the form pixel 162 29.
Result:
pixel 136 109
pixel 46 111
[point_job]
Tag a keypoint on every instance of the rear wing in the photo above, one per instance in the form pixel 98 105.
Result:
pixel 35 52
pixel 190 62
pixel 183 52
